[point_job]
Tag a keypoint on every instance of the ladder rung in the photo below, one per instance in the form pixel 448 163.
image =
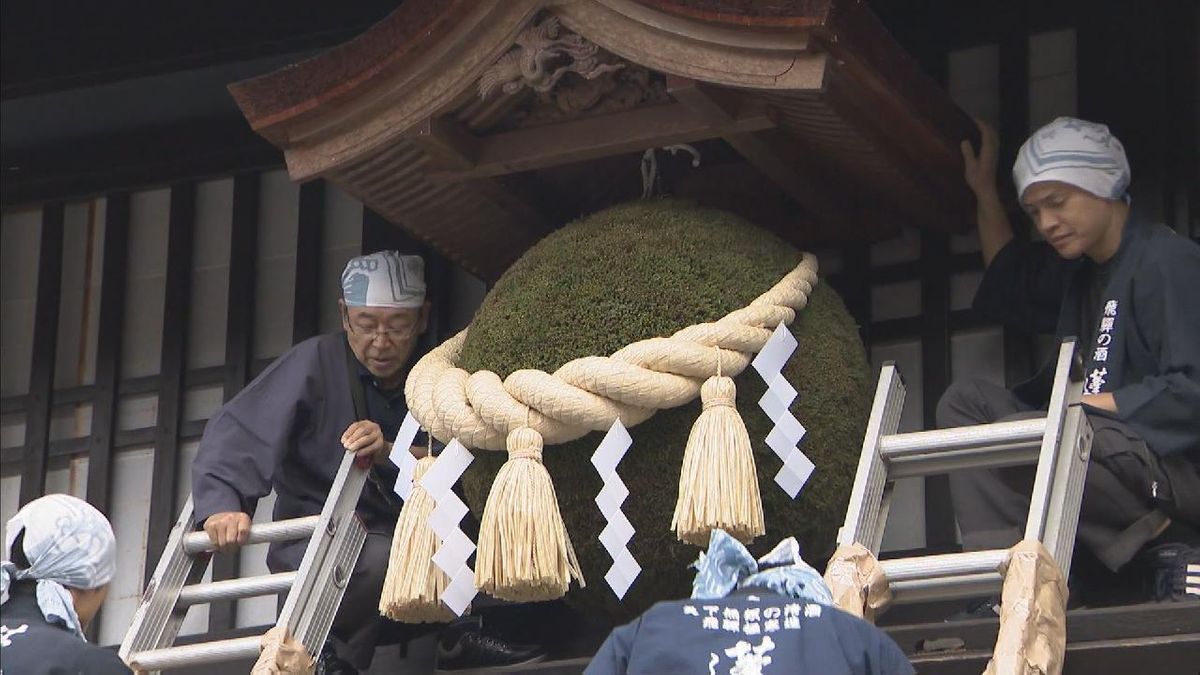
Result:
pixel 283 530
pixel 219 651
pixel 953 588
pixel 980 437
pixel 233 589
pixel 1017 454
pixel 943 568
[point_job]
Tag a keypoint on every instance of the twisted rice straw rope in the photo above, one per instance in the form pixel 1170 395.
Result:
pixel 589 393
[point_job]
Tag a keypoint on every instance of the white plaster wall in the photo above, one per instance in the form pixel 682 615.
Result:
pixel 210 273
pixel 1052 82
pixel 20 240
pixel 141 347
pixel 129 513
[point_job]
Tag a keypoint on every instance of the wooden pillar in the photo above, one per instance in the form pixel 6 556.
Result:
pixel 172 365
pixel 39 404
pixel 306 313
pixel 108 350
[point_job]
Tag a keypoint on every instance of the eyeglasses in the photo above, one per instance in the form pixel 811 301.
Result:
pixel 392 335
pixel 387 334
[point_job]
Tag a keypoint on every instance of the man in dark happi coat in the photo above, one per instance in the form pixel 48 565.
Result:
pixel 288 429
pixel 1126 288
pixel 750 617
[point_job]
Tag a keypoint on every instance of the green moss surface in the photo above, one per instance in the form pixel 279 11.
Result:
pixel 647 269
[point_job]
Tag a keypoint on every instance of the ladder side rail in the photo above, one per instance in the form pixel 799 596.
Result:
pixel 151 626
pixel 1060 396
pixel 864 505
pixel 337 515
pixel 1067 492
pixel 313 626
pixel 885 508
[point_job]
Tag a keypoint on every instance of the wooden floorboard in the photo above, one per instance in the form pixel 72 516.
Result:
pixel 1083 626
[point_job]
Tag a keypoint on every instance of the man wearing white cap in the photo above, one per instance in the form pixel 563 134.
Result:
pixel 284 431
pixel 1125 288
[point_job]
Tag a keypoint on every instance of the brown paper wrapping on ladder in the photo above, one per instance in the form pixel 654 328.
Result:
pixel 281 654
pixel 857 582
pixel 1033 614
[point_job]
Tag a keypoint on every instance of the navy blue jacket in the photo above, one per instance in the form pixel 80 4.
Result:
pixel 1152 366
pixel 283 431
pixel 31 646
pixel 748 633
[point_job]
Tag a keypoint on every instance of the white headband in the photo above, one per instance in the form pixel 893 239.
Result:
pixel 384 279
pixel 1077 152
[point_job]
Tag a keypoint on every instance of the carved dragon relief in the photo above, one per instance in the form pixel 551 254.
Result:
pixel 544 55
pixel 544 52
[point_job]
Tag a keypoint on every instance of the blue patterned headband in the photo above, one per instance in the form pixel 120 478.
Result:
pixel 728 566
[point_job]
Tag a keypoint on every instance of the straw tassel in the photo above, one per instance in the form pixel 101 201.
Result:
pixel 525 553
pixel 718 485
pixel 412 589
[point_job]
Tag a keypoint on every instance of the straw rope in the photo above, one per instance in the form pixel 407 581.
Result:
pixel 589 393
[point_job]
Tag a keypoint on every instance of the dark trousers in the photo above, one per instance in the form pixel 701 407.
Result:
pixel 1129 493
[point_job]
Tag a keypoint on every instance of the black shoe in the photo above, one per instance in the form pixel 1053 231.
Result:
pixel 463 646
pixel 328 663
pixel 1175 572
pixel 988 608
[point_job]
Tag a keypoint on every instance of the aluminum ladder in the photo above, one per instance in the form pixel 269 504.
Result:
pixel 314 591
pixel 1059 444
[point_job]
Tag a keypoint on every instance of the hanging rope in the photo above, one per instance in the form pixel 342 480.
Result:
pixel 651 177
pixel 589 393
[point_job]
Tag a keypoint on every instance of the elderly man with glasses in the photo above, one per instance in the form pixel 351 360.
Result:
pixel 287 430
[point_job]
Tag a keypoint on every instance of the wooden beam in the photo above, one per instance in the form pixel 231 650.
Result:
pixel 45 341
pixel 454 151
pixel 172 365
pixel 446 142
pixel 306 312
pixel 863 115
pixel 1083 626
pixel 108 350
pixel 133 159
pixel 589 138
pixel 718 108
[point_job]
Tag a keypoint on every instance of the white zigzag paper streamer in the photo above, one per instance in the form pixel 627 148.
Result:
pixel 616 534
pixel 444 520
pixel 402 457
pixel 787 430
